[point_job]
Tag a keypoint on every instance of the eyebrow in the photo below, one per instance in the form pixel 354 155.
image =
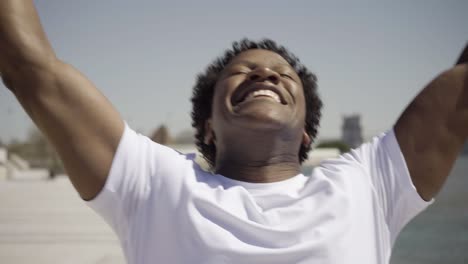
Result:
pixel 252 64
pixel 244 62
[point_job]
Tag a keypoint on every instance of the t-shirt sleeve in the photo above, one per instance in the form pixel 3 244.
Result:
pixel 132 179
pixel 396 194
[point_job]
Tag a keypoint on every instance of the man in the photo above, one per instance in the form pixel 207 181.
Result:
pixel 256 112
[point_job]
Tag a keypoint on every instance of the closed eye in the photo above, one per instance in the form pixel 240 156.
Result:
pixel 239 72
pixel 284 75
pixel 238 69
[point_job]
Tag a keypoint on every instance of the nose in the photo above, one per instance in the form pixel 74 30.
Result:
pixel 264 74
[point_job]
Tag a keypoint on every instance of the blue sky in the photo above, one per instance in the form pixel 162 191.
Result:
pixel 371 58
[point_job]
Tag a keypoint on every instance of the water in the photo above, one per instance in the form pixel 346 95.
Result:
pixel 439 234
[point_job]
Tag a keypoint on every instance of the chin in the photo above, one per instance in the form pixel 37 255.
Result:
pixel 262 118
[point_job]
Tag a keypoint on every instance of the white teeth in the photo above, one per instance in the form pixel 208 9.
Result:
pixel 269 93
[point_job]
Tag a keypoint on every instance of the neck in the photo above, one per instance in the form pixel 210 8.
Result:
pixel 259 161
pixel 258 171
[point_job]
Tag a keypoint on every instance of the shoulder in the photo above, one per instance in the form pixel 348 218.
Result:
pixel 378 155
pixel 138 153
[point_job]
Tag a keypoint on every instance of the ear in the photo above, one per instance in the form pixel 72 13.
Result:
pixel 209 137
pixel 305 138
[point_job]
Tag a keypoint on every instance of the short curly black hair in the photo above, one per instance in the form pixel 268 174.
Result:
pixel 203 92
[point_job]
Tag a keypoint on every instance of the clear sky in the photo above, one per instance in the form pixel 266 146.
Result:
pixel 371 58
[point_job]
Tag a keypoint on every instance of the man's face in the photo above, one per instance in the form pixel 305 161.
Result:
pixel 258 90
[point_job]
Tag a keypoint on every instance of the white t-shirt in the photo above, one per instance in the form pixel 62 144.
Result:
pixel 165 209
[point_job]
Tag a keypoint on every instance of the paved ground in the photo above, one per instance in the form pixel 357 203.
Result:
pixel 46 222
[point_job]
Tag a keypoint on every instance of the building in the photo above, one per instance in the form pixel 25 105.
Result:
pixel 3 161
pixel 13 167
pixel 352 131
pixel 161 136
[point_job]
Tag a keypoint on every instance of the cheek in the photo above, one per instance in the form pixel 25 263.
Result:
pixel 224 90
pixel 219 98
pixel 298 93
pixel 301 102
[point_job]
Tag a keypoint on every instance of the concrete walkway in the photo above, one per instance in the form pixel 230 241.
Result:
pixel 44 222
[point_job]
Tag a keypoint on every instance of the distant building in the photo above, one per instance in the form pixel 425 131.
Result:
pixel 3 161
pixel 161 136
pixel 185 137
pixel 352 131
pixel 13 167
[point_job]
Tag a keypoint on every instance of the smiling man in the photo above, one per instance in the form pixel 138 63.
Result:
pixel 255 92
pixel 256 112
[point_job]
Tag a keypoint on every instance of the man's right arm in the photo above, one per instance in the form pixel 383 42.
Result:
pixel 77 119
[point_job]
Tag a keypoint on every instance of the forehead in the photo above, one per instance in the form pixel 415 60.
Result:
pixel 260 57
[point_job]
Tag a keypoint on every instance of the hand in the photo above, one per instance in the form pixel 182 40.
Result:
pixel 463 57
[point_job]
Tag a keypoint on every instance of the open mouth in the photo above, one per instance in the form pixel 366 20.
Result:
pixel 258 91
pixel 263 93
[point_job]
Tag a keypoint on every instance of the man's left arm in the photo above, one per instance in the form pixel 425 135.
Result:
pixel 433 128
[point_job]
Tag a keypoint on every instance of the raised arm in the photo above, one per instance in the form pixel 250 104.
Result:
pixel 432 130
pixel 78 120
